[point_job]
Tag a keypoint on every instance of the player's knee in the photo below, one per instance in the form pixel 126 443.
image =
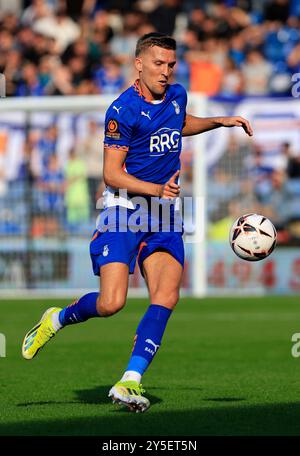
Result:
pixel 168 300
pixel 110 305
pixel 173 299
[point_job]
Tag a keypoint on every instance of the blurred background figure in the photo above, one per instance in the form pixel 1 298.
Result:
pixel 50 200
pixel 232 80
pixel 109 78
pixel 76 194
pixel 88 150
pixel 30 84
pixel 256 73
pixel 59 26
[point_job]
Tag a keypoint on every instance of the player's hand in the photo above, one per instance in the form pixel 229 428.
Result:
pixel 237 121
pixel 170 189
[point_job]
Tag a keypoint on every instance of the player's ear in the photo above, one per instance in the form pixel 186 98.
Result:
pixel 138 64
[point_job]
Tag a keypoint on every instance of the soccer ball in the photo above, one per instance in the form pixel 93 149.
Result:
pixel 252 237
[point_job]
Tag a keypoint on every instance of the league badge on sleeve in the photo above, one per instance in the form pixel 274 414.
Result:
pixel 113 129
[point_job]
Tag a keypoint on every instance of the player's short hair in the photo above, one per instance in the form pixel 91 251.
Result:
pixel 154 39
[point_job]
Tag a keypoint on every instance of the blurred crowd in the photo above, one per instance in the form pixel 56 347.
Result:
pixel 49 193
pixel 229 48
pixel 226 49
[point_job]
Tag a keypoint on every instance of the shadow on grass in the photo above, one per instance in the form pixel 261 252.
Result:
pixel 95 396
pixel 224 399
pixel 221 419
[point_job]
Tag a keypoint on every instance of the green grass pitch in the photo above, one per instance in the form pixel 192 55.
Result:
pixel 225 368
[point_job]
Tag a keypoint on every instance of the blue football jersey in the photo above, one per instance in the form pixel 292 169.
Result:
pixel 150 132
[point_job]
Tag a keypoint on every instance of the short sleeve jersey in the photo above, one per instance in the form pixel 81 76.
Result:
pixel 151 133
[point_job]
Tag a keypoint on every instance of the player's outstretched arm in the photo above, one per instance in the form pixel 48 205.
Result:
pixel 115 176
pixel 195 125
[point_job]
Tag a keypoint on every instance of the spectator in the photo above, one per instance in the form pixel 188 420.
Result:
pixel 6 41
pixel 39 47
pixel 77 195
pixel 98 44
pixel 195 23
pixel 109 78
pixel 256 73
pixel 205 75
pixel 218 229
pixel 46 147
pixel 79 70
pixel 164 16
pixel 31 155
pixel 80 48
pixel 3 178
pixel 10 22
pixel 61 82
pixel 217 49
pixel 293 59
pixel 11 6
pixel 237 49
pixel 276 201
pixel 90 149
pixel 123 44
pixel 60 27
pixel 294 8
pixel 86 87
pixel 232 81
pixel 30 84
pixel 277 10
pixel 12 71
pixel 233 162
pixel 24 40
pixel 99 37
pixel 52 187
pixel 38 9
pixel 103 21
pixel 260 173
pixel 45 68
pixel 293 162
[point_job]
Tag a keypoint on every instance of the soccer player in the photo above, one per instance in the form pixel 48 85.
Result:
pixel 143 134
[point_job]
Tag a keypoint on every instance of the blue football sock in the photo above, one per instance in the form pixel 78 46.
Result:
pixel 148 337
pixel 79 311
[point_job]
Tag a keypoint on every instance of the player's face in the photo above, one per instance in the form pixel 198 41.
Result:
pixel 155 66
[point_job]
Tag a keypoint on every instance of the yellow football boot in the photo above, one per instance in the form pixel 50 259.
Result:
pixel 130 394
pixel 39 335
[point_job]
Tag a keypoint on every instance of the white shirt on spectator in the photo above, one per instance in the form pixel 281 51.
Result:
pixel 65 31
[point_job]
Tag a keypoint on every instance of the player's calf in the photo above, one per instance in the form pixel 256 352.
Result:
pixel 81 310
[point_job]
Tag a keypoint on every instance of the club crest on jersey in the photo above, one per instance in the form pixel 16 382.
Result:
pixel 176 106
pixel 113 129
pixel 105 250
pixel 164 140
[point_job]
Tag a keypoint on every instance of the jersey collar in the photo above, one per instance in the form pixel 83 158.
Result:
pixel 137 88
